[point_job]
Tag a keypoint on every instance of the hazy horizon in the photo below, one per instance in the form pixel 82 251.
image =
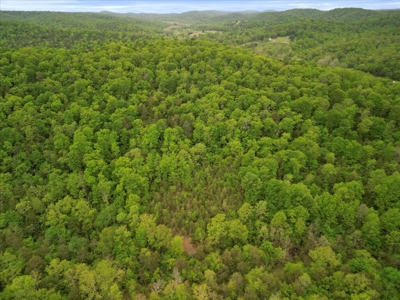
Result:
pixel 180 6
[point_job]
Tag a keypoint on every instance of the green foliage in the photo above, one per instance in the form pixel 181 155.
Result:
pixel 188 169
pixel 390 282
pixel 360 39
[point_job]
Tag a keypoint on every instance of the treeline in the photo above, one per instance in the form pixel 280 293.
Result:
pixel 173 169
pixel 72 30
pixel 15 34
pixel 359 39
pixel 89 21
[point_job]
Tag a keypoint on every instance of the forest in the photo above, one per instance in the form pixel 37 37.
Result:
pixel 203 155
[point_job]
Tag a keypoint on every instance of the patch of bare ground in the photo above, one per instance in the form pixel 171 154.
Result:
pixel 188 246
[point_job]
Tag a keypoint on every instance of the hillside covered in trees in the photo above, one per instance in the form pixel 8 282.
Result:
pixel 142 163
pixel 359 39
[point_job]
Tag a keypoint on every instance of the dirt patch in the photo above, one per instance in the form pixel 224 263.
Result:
pixel 188 246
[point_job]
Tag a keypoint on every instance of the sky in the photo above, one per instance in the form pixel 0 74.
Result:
pixel 178 6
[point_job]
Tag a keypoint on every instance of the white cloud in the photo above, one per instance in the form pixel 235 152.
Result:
pixel 159 6
pixel 53 5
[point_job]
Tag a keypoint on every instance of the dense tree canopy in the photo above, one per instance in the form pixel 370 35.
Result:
pixel 356 38
pixel 190 169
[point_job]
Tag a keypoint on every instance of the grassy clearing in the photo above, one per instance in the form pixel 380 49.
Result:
pixel 197 33
pixel 280 40
pixel 280 49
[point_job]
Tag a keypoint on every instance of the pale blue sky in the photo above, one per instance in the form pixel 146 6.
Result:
pixel 177 6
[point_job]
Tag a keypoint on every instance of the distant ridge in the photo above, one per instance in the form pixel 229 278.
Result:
pixel 107 12
pixel 209 12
